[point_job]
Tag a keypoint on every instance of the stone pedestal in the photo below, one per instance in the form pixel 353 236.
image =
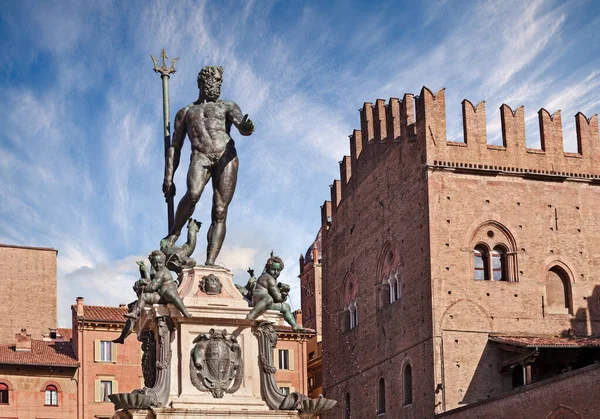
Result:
pixel 223 311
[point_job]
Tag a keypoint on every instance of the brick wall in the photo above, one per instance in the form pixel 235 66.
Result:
pixel 27 396
pixel 29 277
pixel 378 209
pixel 411 205
pixel 565 396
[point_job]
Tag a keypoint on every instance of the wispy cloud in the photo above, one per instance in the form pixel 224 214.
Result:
pixel 81 154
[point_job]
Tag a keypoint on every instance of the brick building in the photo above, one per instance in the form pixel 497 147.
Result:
pixel 290 356
pixel 29 277
pixel 311 296
pixel 106 367
pixel 461 273
pixel 38 378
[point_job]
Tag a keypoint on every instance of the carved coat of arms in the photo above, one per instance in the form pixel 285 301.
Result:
pixel 216 363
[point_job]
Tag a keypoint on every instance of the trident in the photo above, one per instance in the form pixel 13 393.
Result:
pixel 164 75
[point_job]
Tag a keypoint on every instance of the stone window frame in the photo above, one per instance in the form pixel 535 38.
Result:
pixel 349 318
pixel 489 236
pixel 388 284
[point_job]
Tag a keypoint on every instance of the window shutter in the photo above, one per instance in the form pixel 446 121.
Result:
pixel 96 351
pixel 97 392
pixel 291 359
pixel 276 358
pixel 113 352
pixel 115 387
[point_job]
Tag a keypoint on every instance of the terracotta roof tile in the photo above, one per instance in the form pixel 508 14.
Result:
pixel 548 341
pixel 103 313
pixel 288 330
pixel 42 353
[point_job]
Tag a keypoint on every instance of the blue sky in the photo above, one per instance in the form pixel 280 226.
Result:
pixel 81 148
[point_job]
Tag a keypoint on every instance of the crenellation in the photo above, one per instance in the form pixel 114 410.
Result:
pixel 355 145
pixel 431 117
pixel 336 194
pixel 474 127
pixel 422 120
pixel 393 119
pixel 513 127
pixel 587 136
pixel 379 117
pixel 366 123
pixel 345 172
pixel 551 132
pixel 325 215
pixel 408 127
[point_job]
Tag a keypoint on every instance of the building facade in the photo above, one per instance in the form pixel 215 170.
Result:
pixel 38 378
pixel 106 367
pixel 456 273
pixel 311 298
pixel 290 356
pixel 29 277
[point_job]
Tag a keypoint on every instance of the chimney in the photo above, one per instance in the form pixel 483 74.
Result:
pixel 298 316
pixel 79 306
pixel 122 305
pixel 23 341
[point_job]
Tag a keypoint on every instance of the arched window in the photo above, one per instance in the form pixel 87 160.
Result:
pixel 494 253
pixel 51 396
pixel 480 263
pixel 347 414
pixel 381 396
pixel 498 264
pixel 558 291
pixel 353 315
pixel 395 285
pixel 3 393
pixel 407 385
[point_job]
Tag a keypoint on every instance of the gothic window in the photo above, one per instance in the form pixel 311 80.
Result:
pixel 494 253
pixel 381 396
pixel 480 264
pixel 349 311
pixel 3 393
pixel 388 280
pixel 51 396
pixel 498 264
pixel 407 385
pixel 395 286
pixel 558 291
pixel 353 315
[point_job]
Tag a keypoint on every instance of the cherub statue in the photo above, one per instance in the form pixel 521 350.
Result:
pixel 268 294
pixel 156 288
pixel 178 257
pixel 246 290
